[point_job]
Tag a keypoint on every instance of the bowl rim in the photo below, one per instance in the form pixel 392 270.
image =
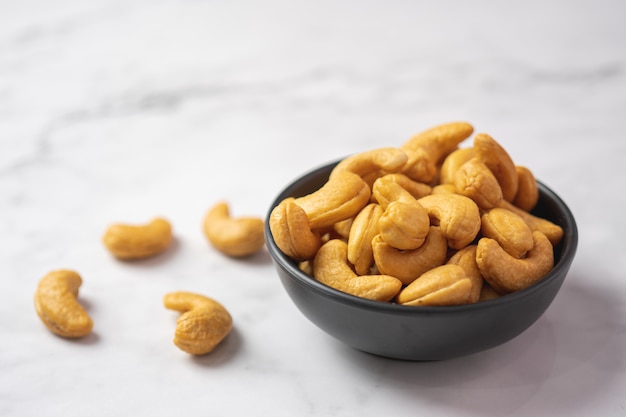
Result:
pixel 568 246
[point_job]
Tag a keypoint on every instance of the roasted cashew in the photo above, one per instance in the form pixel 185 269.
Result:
pixel 466 259
pixel 509 230
pixel 364 228
pixel 527 191
pixel 128 242
pixel 444 189
pixel 366 163
pixel 203 324
pixel 427 149
pixel 291 231
pixel 404 223
pixel 235 237
pixel 452 163
pixel 415 188
pixel 506 273
pixel 441 286
pixel 409 264
pixel 476 181
pixel 331 267
pixel 342 197
pixel 57 307
pixel 553 231
pixel 457 216
pixel 499 162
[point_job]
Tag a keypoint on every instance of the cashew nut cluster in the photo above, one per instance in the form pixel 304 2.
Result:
pixel 426 223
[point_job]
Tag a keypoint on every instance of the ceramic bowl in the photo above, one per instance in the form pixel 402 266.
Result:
pixel 423 333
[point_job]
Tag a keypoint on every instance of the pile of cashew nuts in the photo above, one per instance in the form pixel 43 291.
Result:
pixel 428 223
pixel 203 322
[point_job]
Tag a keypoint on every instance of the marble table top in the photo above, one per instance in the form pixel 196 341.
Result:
pixel 117 110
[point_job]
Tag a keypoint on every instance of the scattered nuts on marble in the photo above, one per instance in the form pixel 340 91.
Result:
pixel 203 324
pixel 129 242
pixel 57 307
pixel 426 223
pixel 236 237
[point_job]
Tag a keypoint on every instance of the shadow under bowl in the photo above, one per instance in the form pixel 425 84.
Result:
pixel 423 333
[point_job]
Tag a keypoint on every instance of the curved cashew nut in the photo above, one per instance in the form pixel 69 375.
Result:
pixel 203 324
pixel 364 228
pixel 499 162
pixel 506 273
pixel 235 237
pixel 452 163
pixel 457 216
pixel 444 285
pixel 410 264
pixel 373 161
pixel 509 230
pixel 527 191
pixel 331 267
pixel 342 197
pixel 466 259
pixel 415 188
pixel 57 307
pixel 404 224
pixel 128 242
pixel 292 233
pixel 476 181
pixel 553 231
pixel 426 149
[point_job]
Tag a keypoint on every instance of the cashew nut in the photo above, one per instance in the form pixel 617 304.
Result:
pixel 410 264
pixel 444 285
pixel 457 216
pixel 203 324
pixel 342 197
pixel 415 188
pixel 128 242
pixel 466 259
pixel 452 163
pixel 364 228
pixel 57 307
pixel 509 230
pixel 527 191
pixel 292 233
pixel 331 267
pixel 404 224
pixel 499 162
pixel 426 149
pixel 553 231
pixel 476 181
pixel 235 237
pixel 506 273
pixel 365 163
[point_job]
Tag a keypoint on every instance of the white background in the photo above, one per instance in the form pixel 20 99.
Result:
pixel 123 110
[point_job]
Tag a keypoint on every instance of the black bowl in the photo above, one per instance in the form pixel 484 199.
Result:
pixel 423 333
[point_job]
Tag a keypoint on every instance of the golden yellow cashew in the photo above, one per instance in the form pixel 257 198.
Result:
pixel 466 259
pixel 506 273
pixel 342 197
pixel 499 162
pixel 476 181
pixel 457 216
pixel 57 307
pixel 203 324
pixel 415 188
pixel 527 191
pixel 509 230
pixel 131 242
pixel 553 231
pixel 428 148
pixel 407 265
pixel 292 233
pixel 441 286
pixel 404 223
pixel 235 237
pixel 452 163
pixel 364 228
pixel 366 163
pixel 331 267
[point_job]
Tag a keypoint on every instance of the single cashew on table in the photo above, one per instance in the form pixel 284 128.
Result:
pixel 427 223
pixel 131 242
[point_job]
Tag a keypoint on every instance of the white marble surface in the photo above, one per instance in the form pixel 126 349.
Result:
pixel 122 110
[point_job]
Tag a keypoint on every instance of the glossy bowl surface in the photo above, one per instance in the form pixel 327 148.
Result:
pixel 423 333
